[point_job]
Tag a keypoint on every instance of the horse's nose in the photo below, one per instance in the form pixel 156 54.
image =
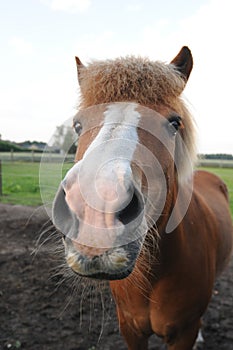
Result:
pixel 96 221
pixel 105 204
pixel 108 189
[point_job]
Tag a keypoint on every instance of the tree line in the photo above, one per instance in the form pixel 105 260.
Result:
pixel 63 140
pixel 220 156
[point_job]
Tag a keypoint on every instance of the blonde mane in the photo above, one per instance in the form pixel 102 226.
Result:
pixel 152 84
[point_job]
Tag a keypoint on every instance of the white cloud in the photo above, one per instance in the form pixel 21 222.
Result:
pixel 70 6
pixel 20 45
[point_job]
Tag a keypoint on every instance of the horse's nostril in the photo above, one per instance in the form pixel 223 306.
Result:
pixel 132 210
pixel 64 184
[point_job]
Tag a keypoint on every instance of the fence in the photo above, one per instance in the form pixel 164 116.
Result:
pixel 0 177
pixel 34 157
pixel 57 157
pixel 215 163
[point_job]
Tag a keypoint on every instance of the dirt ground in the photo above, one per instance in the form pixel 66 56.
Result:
pixel 40 310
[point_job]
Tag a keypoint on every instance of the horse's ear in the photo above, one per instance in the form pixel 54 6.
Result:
pixel 184 62
pixel 79 65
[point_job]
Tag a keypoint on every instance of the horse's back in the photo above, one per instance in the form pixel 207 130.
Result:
pixel 214 193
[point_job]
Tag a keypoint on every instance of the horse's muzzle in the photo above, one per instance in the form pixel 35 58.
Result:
pixel 101 244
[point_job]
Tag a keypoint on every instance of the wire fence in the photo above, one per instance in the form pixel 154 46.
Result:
pixel 35 157
pixel 215 163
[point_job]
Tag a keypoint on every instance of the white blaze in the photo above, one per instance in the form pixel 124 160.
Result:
pixel 112 150
pixel 120 122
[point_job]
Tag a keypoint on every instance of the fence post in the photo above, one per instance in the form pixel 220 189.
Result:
pixel 0 177
pixel 12 155
pixel 32 154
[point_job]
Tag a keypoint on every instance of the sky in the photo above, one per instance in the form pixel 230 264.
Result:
pixel 40 38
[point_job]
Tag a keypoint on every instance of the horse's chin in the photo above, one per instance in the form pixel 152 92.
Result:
pixel 113 264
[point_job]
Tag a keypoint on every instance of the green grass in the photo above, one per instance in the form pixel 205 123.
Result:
pixel 21 183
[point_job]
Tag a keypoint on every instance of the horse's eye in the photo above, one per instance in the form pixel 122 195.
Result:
pixel 77 127
pixel 175 123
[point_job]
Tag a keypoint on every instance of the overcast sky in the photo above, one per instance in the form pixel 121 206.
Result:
pixel 39 39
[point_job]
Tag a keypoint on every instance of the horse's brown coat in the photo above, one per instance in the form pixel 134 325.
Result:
pixel 184 270
pixel 171 284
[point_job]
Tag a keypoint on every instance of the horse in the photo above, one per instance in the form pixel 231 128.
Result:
pixel 133 210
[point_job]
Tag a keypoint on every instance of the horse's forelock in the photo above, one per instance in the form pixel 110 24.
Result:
pixel 130 79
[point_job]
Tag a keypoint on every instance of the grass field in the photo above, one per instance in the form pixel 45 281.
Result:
pixel 21 183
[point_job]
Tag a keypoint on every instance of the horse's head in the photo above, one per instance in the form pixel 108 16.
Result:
pixel 126 161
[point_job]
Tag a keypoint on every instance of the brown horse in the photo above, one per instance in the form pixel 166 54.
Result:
pixel 133 211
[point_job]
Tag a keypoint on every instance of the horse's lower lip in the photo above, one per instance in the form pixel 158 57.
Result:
pixel 115 264
pixel 97 269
